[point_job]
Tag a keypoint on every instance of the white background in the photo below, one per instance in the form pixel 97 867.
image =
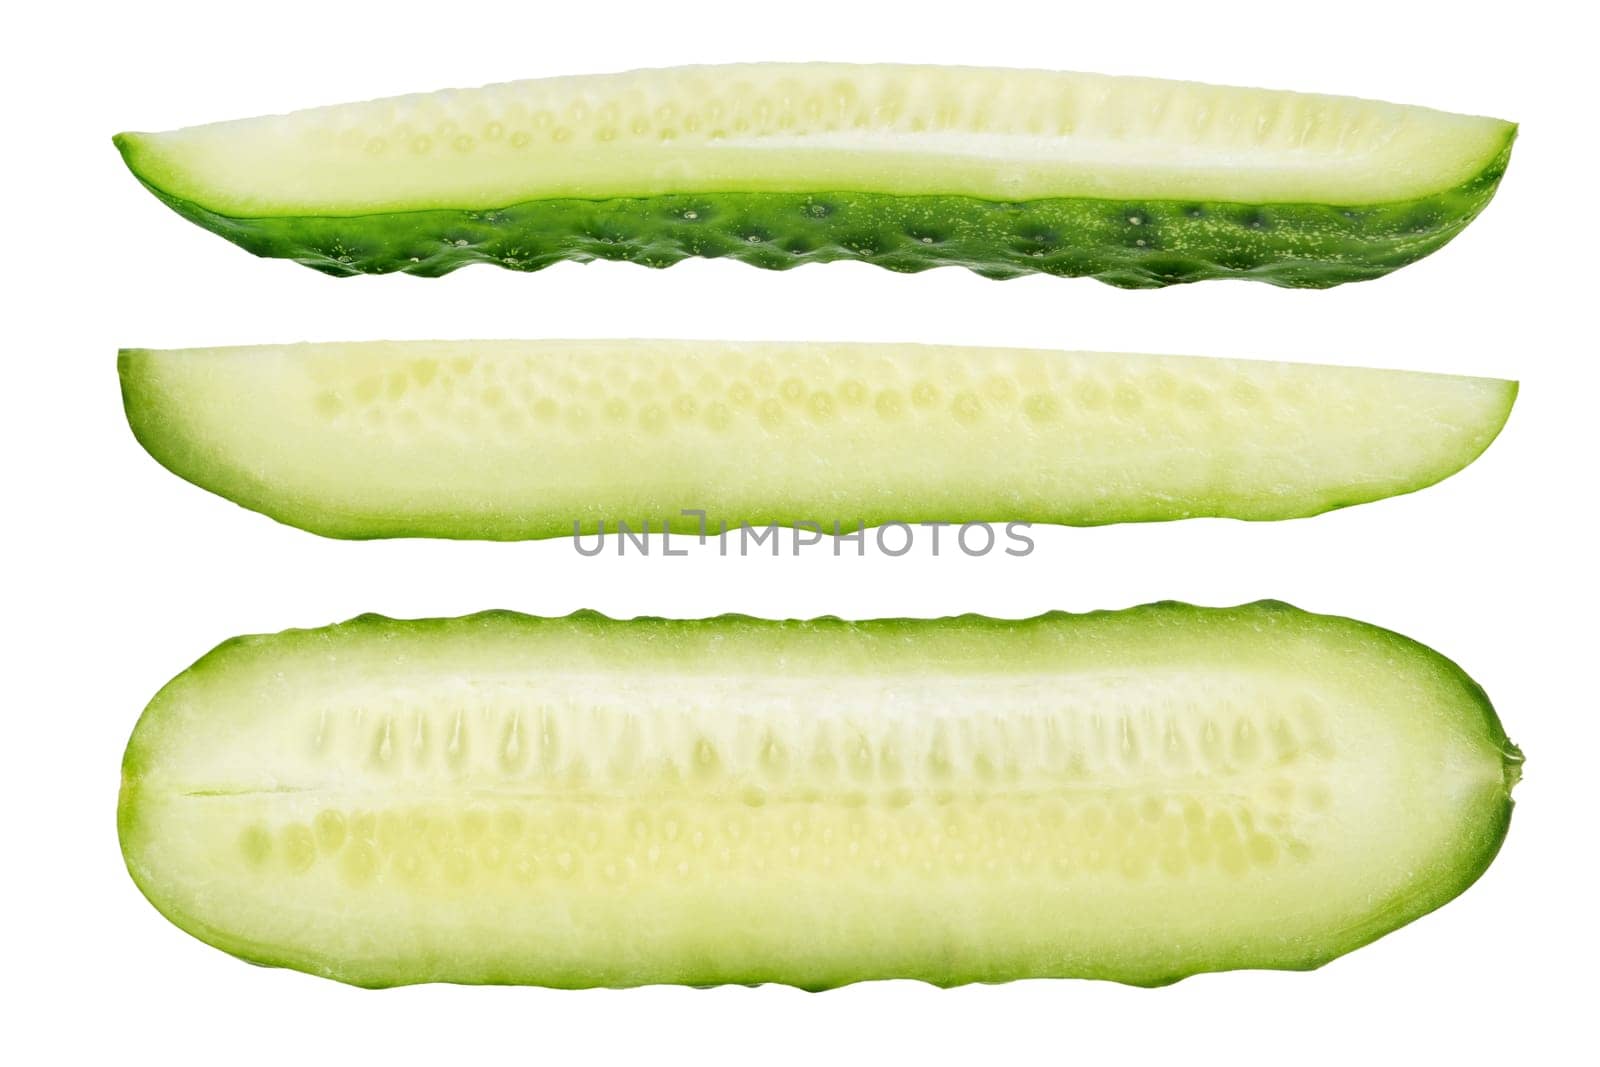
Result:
pixel 118 574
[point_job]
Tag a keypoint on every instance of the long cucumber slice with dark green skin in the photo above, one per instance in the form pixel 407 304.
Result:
pixel 526 439
pixel 1135 181
pixel 1138 795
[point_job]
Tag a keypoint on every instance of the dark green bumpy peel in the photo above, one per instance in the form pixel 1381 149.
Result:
pixel 1133 244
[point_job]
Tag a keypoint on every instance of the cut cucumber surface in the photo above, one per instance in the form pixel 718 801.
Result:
pixel 1135 181
pixel 1138 795
pixel 527 439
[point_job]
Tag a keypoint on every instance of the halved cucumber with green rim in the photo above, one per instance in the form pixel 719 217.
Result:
pixel 1138 795
pixel 525 439
pixel 1135 181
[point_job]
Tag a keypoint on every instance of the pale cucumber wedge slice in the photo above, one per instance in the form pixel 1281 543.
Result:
pixel 1139 795
pixel 523 439
pixel 1136 181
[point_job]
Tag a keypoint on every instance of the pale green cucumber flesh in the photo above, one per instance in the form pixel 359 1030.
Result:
pixel 521 439
pixel 1138 796
pixel 1137 182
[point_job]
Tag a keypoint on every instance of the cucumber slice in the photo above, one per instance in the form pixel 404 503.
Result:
pixel 522 439
pixel 1134 181
pixel 1137 795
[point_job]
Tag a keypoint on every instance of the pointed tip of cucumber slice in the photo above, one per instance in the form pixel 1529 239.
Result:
pixel 131 147
pixel 1494 425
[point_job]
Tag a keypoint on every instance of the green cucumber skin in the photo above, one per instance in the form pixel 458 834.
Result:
pixel 1261 618
pixel 1135 244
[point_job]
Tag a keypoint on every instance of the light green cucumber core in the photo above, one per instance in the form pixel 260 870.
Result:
pixel 1138 796
pixel 517 439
